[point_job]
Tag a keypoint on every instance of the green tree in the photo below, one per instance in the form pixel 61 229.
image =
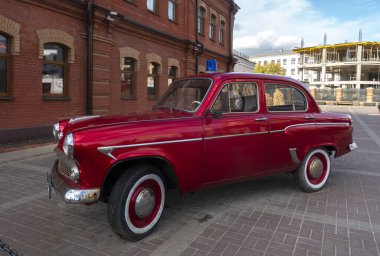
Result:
pixel 272 68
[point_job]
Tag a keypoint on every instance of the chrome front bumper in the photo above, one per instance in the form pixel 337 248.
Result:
pixel 353 146
pixel 70 195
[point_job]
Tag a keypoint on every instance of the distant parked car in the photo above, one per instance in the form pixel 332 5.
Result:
pixel 208 129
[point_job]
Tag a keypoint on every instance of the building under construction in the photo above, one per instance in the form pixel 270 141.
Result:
pixel 345 65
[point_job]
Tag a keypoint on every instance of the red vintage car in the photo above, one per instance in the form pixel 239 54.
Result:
pixel 206 130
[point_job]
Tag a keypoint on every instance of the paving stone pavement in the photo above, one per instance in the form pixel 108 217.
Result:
pixel 270 216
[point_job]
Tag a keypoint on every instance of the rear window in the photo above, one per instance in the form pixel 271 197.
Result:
pixel 284 98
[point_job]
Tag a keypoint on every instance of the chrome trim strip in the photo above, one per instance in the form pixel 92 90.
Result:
pixel 154 143
pixel 136 121
pixel 308 124
pixel 235 135
pixel 277 131
pixel 108 150
pixel 296 125
pixel 82 118
pixel 261 119
pixel 346 124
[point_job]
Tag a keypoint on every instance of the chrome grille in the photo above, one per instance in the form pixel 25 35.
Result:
pixel 64 169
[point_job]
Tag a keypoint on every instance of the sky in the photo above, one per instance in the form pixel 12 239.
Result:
pixel 265 26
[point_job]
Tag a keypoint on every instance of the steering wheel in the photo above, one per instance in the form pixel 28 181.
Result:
pixel 195 104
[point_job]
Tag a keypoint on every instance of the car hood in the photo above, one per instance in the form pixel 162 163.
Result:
pixel 89 122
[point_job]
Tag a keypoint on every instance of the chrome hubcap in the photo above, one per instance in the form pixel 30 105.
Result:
pixel 144 203
pixel 316 168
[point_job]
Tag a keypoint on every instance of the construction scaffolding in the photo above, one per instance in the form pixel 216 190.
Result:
pixel 346 65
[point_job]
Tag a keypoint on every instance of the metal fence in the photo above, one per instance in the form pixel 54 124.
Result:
pixel 325 94
pixel 376 95
pixel 348 95
pixel 354 95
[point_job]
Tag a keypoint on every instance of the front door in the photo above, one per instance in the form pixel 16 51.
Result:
pixel 236 144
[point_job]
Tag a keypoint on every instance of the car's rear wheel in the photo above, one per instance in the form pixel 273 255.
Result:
pixel 136 202
pixel 314 171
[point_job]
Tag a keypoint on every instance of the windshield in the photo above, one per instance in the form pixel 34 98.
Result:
pixel 185 95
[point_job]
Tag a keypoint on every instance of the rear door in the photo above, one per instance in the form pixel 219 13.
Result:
pixel 291 124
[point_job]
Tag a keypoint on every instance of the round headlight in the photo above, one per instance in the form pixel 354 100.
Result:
pixel 68 145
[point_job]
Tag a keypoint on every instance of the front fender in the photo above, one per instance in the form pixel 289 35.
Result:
pixel 185 164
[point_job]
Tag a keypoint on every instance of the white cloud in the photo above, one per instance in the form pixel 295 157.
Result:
pixel 270 25
pixel 266 40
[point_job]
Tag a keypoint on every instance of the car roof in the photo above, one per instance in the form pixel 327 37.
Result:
pixel 246 75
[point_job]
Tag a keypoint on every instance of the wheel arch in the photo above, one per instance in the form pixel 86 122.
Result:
pixel 328 147
pixel 122 166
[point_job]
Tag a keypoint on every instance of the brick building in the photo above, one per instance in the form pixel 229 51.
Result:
pixel 62 58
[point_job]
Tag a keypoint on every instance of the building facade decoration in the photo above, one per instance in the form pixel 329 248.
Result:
pixel 56 36
pixel 129 52
pixel 173 62
pixel 11 28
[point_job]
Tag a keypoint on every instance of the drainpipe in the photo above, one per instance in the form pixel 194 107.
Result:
pixel 231 35
pixel 199 46
pixel 90 25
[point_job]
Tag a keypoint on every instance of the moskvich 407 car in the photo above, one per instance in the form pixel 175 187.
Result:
pixel 208 129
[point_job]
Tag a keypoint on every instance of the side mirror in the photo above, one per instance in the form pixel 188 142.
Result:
pixel 217 114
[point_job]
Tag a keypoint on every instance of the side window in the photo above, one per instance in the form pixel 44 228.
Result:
pixel 284 98
pixel 237 97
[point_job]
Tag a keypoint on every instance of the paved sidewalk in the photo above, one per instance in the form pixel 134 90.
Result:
pixel 269 216
pixel 26 153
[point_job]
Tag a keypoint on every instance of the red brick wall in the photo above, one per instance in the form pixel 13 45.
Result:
pixel 27 108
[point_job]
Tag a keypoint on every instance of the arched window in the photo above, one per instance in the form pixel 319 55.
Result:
pixel 201 20
pixel 222 28
pixel 173 74
pixel 212 26
pixel 54 70
pixel 153 79
pixel 4 65
pixel 128 76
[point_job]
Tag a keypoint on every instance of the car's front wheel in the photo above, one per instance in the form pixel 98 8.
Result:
pixel 314 170
pixel 136 202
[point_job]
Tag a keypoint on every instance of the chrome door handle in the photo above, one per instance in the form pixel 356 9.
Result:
pixel 309 117
pixel 261 119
